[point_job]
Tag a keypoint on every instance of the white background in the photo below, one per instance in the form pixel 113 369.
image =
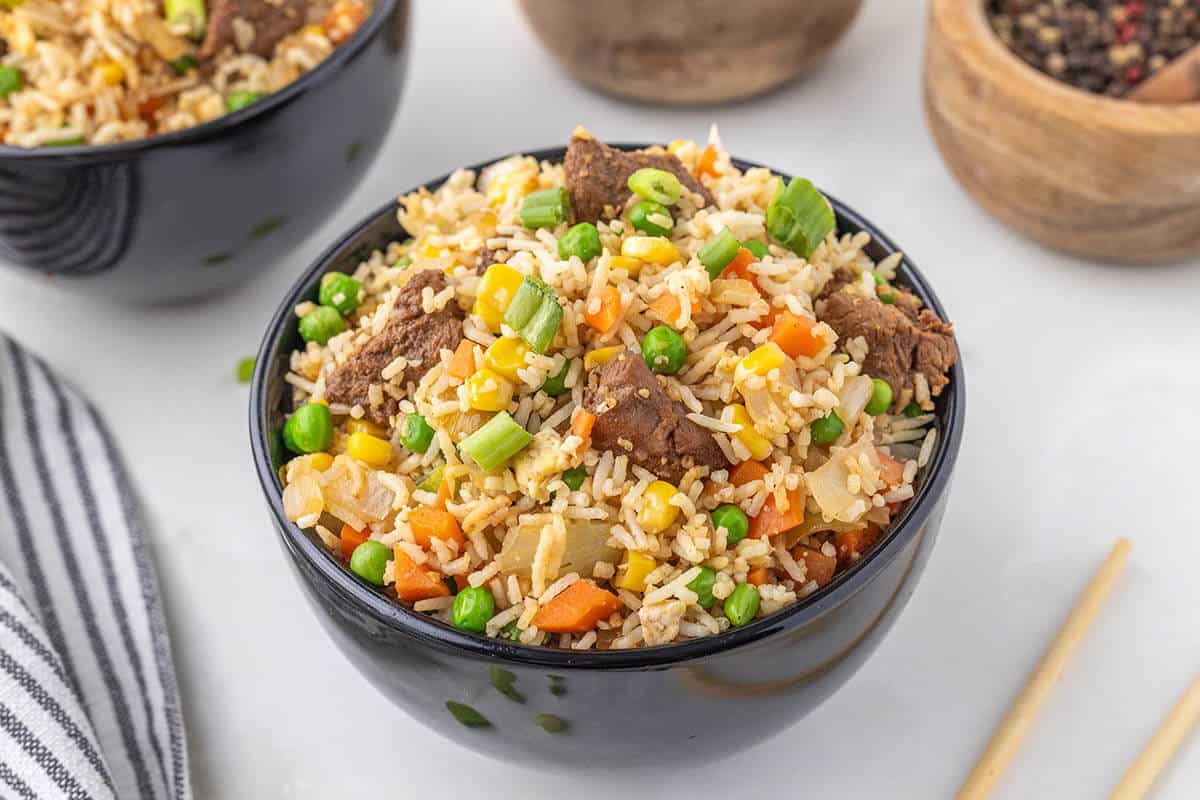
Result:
pixel 1083 392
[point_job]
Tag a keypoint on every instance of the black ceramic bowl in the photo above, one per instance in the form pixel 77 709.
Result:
pixel 656 704
pixel 192 213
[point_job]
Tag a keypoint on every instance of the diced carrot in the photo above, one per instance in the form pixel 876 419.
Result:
pixel 415 582
pixel 708 162
pixel 739 267
pixel 667 306
pixel 445 492
pixel 818 566
pixel 576 609
pixel 350 539
pixel 851 545
pixel 608 312
pixel 794 335
pixel 770 520
pixel 344 19
pixel 461 582
pixel 462 363
pixel 582 422
pixel 890 470
pixel 747 471
pixel 757 576
pixel 768 320
pixel 434 523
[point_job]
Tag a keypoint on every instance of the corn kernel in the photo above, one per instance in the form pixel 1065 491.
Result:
pixel 634 571
pixel 657 513
pixel 313 30
pixel 496 291
pixel 371 450
pixel 110 72
pixel 602 355
pixel 677 145
pixel 630 265
pixel 514 183
pixel 487 390
pixel 758 445
pixel 762 360
pixel 651 249
pixel 506 356
pixel 365 426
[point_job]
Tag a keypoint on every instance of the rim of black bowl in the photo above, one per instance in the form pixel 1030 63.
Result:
pixel 388 612
pixel 215 128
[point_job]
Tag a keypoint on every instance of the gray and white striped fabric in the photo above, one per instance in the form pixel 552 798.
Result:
pixel 89 706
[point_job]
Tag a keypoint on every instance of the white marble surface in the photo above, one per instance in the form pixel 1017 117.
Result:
pixel 1083 382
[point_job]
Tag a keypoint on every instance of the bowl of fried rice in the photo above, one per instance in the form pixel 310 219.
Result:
pixel 609 453
pixel 164 150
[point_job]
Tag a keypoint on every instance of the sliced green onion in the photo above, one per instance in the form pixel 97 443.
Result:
pixel 718 252
pixel 496 442
pixel 574 478
pixel 799 217
pixel 758 248
pixel 433 481
pixel 245 369
pixel 546 208
pixel 190 14
pixel 557 384
pixel 70 141
pixel 582 240
pixel 417 434
pixel 240 99
pixel 656 184
pixel 535 314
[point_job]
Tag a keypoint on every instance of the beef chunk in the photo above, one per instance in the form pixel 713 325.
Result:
pixel 271 20
pixel 597 175
pixel 635 417
pixel 487 257
pixel 903 338
pixel 410 333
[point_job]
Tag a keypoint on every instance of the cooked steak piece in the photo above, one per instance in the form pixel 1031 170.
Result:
pixel 411 333
pixel 635 417
pixel 269 20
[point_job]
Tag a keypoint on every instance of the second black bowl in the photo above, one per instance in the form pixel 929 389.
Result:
pixel 191 213
pixel 699 700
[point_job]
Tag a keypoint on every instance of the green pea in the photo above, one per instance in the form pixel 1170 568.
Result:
pixel 758 248
pixel 556 385
pixel 912 410
pixel 881 397
pixel 309 429
pixel 733 520
pixel 11 80
pixel 245 369
pixel 656 184
pixel 339 291
pixel 369 560
pixel 702 585
pixel 574 478
pixel 888 298
pixel 664 350
pixel 240 99
pixel 417 434
pixel 827 429
pixel 582 240
pixel 742 605
pixel 321 324
pixel 473 607
pixel 652 218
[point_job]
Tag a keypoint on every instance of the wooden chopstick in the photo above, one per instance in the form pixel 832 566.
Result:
pixel 1158 751
pixel 1016 725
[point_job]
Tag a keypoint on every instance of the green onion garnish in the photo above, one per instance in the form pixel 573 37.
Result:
pixel 241 99
pixel 189 14
pixel 496 442
pixel 757 248
pixel 718 252
pixel 799 217
pixel 11 80
pixel 656 184
pixel 574 478
pixel 535 314
pixel 417 434
pixel 557 384
pixel 245 369
pixel 581 240
pixel 545 208
pixel 433 481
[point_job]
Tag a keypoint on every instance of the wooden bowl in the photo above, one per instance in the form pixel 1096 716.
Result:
pixel 683 52
pixel 1099 177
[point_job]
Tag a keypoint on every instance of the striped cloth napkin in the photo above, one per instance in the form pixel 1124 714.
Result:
pixel 89 706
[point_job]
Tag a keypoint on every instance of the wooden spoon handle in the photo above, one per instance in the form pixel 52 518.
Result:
pixel 1177 82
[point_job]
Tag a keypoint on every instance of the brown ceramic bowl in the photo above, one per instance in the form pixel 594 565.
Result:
pixel 1099 177
pixel 684 52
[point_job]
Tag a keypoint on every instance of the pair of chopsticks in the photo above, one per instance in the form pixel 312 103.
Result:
pixel 1016 725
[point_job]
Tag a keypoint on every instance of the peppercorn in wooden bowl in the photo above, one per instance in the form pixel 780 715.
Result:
pixel 1097 176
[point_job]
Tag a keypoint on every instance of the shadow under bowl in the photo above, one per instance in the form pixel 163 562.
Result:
pixel 696 701
pixel 192 213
